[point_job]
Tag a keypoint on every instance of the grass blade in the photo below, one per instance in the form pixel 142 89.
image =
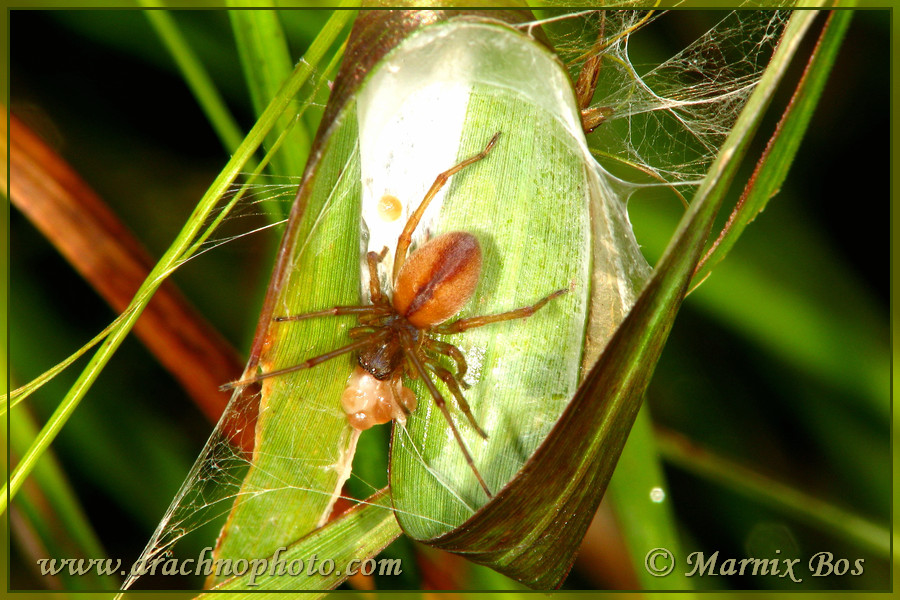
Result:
pixel 51 506
pixel 773 166
pixel 643 507
pixel 196 76
pixel 189 236
pixel 357 534
pixel 107 254
pixel 266 62
pixel 831 518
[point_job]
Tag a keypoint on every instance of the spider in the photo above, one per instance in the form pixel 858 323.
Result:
pixel 395 336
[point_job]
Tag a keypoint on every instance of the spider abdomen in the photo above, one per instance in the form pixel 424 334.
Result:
pixel 438 279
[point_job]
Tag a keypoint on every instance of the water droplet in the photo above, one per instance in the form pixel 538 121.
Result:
pixel 657 494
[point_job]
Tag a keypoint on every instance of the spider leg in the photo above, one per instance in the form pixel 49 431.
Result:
pixel 448 378
pixel 411 354
pixel 519 313
pixel 373 258
pixel 378 308
pixel 406 237
pixel 453 352
pixel 358 332
pixel 308 363
pixel 586 83
pixel 592 117
pixel 368 309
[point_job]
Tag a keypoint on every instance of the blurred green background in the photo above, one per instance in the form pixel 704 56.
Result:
pixel 780 361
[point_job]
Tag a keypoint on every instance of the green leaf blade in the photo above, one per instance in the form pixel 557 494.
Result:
pixel 360 532
pixel 775 163
pixel 266 63
pixel 294 476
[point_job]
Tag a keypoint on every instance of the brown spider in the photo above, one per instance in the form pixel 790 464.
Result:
pixel 394 336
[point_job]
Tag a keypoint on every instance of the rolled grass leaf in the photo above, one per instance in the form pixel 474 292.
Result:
pixel 529 519
pixel 594 425
pixel 531 529
pixel 295 475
